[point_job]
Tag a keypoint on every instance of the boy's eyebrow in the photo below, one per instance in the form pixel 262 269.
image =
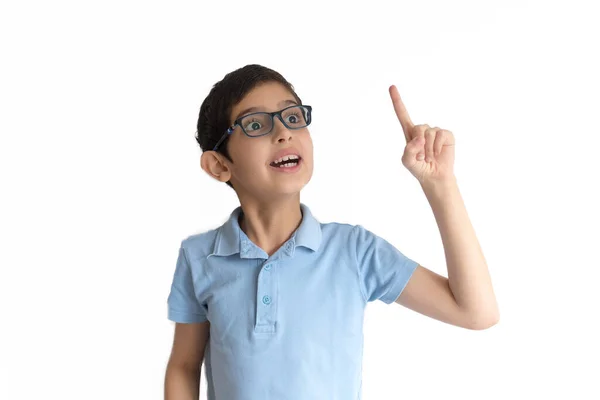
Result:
pixel 252 109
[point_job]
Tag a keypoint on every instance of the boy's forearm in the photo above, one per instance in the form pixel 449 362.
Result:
pixel 182 383
pixel 468 274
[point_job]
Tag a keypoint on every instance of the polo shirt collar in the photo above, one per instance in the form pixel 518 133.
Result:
pixel 231 239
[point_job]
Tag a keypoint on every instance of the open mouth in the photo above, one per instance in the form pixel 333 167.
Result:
pixel 287 163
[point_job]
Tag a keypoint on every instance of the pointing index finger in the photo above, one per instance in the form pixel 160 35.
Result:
pixel 401 113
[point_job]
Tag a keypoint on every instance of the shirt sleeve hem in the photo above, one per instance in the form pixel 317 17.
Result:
pixel 404 273
pixel 186 318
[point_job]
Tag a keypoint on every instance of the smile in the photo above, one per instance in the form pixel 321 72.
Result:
pixel 289 166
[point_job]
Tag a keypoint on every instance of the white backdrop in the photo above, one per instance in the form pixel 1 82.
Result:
pixel 101 179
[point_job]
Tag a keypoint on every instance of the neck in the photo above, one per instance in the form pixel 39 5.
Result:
pixel 270 225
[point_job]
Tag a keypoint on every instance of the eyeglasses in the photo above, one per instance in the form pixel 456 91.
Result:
pixel 261 123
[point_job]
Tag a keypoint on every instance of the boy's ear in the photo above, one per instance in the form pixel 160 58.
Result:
pixel 214 165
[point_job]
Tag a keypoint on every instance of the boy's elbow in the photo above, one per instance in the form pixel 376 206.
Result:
pixel 485 322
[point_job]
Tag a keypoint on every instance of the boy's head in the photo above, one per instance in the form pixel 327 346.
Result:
pixel 242 161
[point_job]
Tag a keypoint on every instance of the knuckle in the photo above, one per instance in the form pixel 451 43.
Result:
pixel 421 127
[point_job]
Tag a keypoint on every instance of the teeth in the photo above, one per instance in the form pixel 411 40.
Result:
pixel 287 165
pixel 285 158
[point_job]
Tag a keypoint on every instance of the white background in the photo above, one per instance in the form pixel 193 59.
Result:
pixel 101 180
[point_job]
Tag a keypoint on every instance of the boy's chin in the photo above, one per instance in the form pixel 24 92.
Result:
pixel 291 187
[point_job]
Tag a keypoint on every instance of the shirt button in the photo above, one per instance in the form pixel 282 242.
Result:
pixel 266 299
pixel 268 267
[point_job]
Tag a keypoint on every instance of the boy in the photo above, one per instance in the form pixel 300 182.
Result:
pixel 273 300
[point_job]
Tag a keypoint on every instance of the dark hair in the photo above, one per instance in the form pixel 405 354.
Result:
pixel 215 110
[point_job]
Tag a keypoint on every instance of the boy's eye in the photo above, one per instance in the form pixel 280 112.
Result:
pixel 253 126
pixel 292 119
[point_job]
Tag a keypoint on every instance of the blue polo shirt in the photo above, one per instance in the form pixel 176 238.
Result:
pixel 289 326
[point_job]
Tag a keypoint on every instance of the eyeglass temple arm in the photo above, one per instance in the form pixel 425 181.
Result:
pixel 229 132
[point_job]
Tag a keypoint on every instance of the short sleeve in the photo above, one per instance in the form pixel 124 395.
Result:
pixel 383 270
pixel 183 305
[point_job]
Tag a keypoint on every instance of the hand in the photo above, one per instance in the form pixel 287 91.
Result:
pixel 429 152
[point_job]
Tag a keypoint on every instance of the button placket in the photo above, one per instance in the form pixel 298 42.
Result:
pixel 265 296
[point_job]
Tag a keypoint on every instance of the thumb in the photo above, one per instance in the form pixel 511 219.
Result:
pixel 415 148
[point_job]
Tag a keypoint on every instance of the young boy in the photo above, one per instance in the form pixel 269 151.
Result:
pixel 273 300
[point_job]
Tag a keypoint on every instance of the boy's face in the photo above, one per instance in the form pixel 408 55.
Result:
pixel 251 173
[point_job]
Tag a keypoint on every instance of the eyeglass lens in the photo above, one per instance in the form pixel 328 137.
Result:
pixel 261 123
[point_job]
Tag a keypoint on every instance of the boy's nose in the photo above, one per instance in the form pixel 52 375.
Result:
pixel 279 127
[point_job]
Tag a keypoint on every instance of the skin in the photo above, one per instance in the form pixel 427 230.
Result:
pixel 272 213
pixel 466 298
pixel 270 200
